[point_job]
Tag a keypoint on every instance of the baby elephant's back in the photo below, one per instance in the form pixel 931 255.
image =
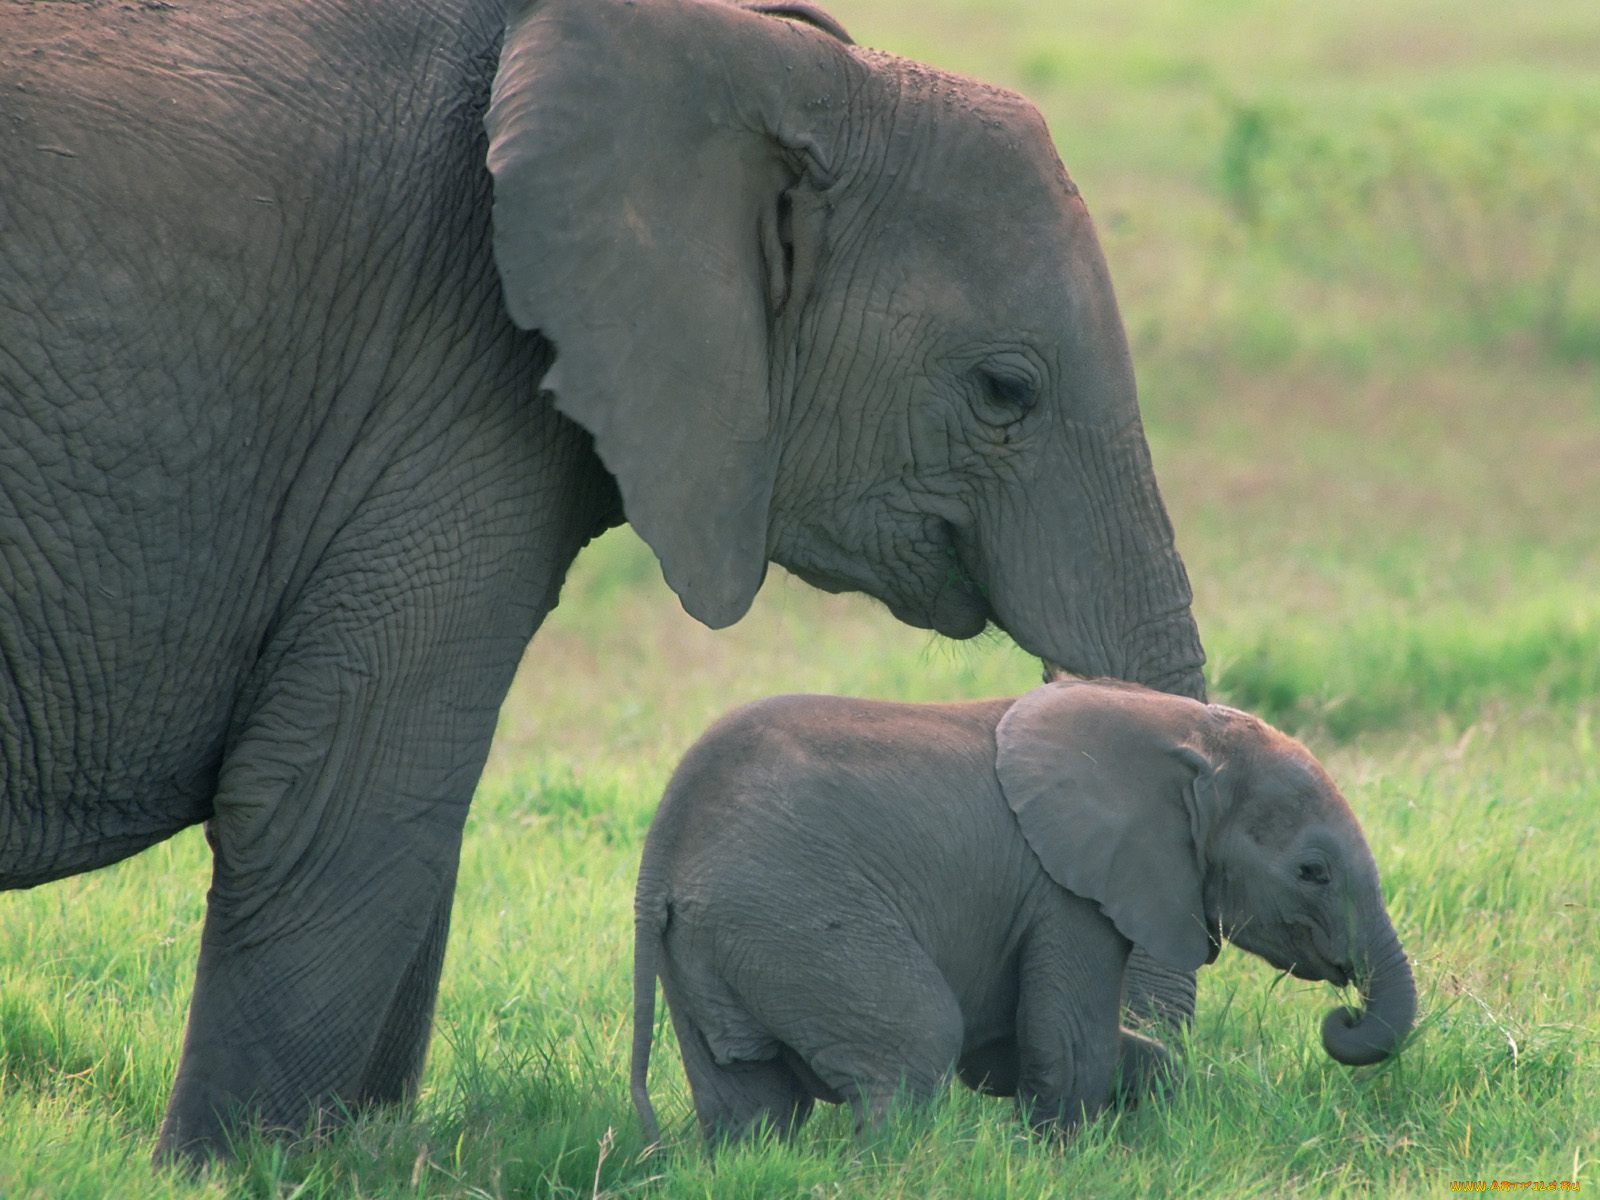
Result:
pixel 823 799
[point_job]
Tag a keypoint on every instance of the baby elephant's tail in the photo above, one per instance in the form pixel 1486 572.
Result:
pixel 649 924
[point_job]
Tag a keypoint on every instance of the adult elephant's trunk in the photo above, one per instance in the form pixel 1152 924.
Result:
pixel 1388 1006
pixel 1074 549
pixel 1088 576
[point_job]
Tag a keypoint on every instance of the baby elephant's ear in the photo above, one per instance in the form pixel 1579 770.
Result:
pixel 1111 786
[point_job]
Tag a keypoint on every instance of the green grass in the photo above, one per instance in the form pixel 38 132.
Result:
pixel 1350 241
pixel 1489 880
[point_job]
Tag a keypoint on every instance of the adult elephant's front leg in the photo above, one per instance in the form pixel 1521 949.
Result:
pixel 1159 995
pixel 336 833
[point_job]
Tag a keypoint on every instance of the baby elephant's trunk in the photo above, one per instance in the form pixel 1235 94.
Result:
pixel 1388 1006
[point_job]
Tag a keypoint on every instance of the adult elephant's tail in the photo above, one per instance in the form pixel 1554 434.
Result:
pixel 649 923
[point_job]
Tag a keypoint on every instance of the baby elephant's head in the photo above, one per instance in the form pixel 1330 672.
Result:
pixel 1189 823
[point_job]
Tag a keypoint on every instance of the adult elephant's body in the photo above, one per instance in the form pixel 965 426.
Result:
pixel 272 562
pixel 199 498
pixel 281 500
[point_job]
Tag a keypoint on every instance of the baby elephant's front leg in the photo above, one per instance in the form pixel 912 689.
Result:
pixel 1144 1068
pixel 1070 1043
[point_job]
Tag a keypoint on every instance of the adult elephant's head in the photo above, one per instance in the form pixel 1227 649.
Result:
pixel 830 308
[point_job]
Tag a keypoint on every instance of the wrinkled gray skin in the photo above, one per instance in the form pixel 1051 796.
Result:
pixel 306 412
pixel 844 898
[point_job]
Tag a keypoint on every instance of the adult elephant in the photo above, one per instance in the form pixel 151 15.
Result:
pixel 289 476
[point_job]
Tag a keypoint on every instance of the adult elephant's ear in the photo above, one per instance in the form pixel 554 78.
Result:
pixel 1113 789
pixel 799 10
pixel 647 158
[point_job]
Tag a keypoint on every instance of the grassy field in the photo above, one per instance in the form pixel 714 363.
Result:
pixel 1357 251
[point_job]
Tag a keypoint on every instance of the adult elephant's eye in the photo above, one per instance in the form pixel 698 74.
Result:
pixel 1005 397
pixel 1313 872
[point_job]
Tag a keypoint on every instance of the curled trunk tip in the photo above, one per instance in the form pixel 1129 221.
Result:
pixel 1347 1037
pixel 1360 1037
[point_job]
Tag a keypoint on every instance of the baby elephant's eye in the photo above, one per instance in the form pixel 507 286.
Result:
pixel 1313 872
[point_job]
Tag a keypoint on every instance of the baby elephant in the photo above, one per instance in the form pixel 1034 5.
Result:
pixel 844 899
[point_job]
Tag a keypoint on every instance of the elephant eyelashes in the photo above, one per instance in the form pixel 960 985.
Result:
pixel 1313 872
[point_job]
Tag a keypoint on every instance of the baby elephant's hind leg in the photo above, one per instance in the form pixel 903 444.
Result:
pixel 897 1036
pixel 732 1101
pixel 864 1010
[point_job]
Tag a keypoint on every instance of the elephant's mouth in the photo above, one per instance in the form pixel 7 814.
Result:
pixel 951 615
pixel 960 606
pixel 959 611
pixel 1321 972
pixel 1303 956
pixel 955 607
pixel 955 603
pixel 1302 963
